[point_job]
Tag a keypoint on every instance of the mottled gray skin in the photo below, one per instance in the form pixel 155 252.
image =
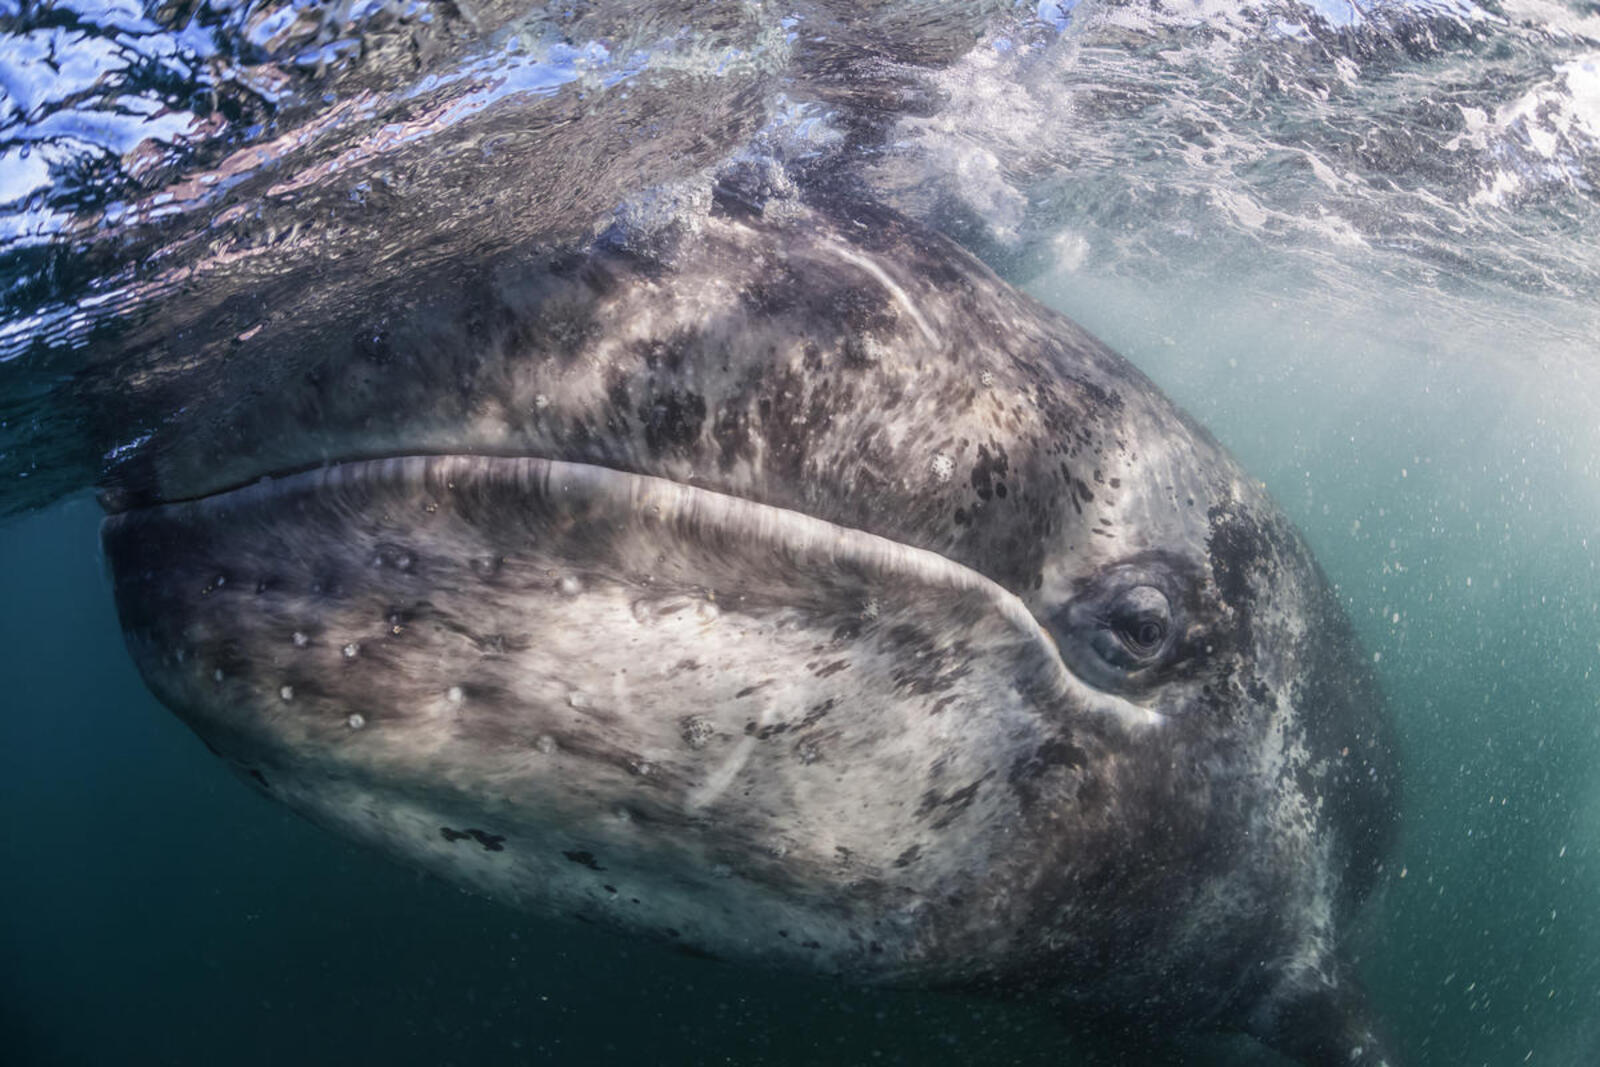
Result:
pixel 767 589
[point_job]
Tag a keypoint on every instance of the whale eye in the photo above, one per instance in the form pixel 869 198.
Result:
pixel 1122 631
pixel 1135 628
pixel 1141 619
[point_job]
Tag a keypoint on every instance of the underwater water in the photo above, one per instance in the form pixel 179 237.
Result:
pixel 1361 244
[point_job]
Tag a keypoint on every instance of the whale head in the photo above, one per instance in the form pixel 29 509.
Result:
pixel 799 593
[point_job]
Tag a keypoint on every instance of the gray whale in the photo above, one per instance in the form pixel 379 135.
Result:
pixel 789 587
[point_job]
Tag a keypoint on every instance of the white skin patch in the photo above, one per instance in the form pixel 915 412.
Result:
pixel 894 290
pixel 718 781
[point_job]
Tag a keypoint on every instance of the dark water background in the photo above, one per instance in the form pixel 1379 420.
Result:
pixel 1364 251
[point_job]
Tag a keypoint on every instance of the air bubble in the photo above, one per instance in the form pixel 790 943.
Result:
pixel 546 744
pixel 356 721
pixel 454 694
pixel 301 640
pixel 351 650
pixel 570 586
pixel 286 692
pixel 578 699
pixel 216 675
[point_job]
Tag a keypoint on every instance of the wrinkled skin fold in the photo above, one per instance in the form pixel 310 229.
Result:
pixel 788 587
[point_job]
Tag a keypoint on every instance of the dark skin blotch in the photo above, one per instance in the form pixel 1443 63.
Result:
pixel 987 470
pixel 583 859
pixel 1025 774
pixel 672 420
pixel 954 804
pixel 490 842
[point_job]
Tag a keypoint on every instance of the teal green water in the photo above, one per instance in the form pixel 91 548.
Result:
pixel 156 911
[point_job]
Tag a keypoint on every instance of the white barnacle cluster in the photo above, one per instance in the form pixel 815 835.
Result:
pixel 698 731
pixel 943 467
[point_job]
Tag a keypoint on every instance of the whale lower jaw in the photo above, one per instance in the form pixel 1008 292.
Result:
pixel 599 693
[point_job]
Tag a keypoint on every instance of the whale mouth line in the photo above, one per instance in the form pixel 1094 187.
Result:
pixel 719 523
